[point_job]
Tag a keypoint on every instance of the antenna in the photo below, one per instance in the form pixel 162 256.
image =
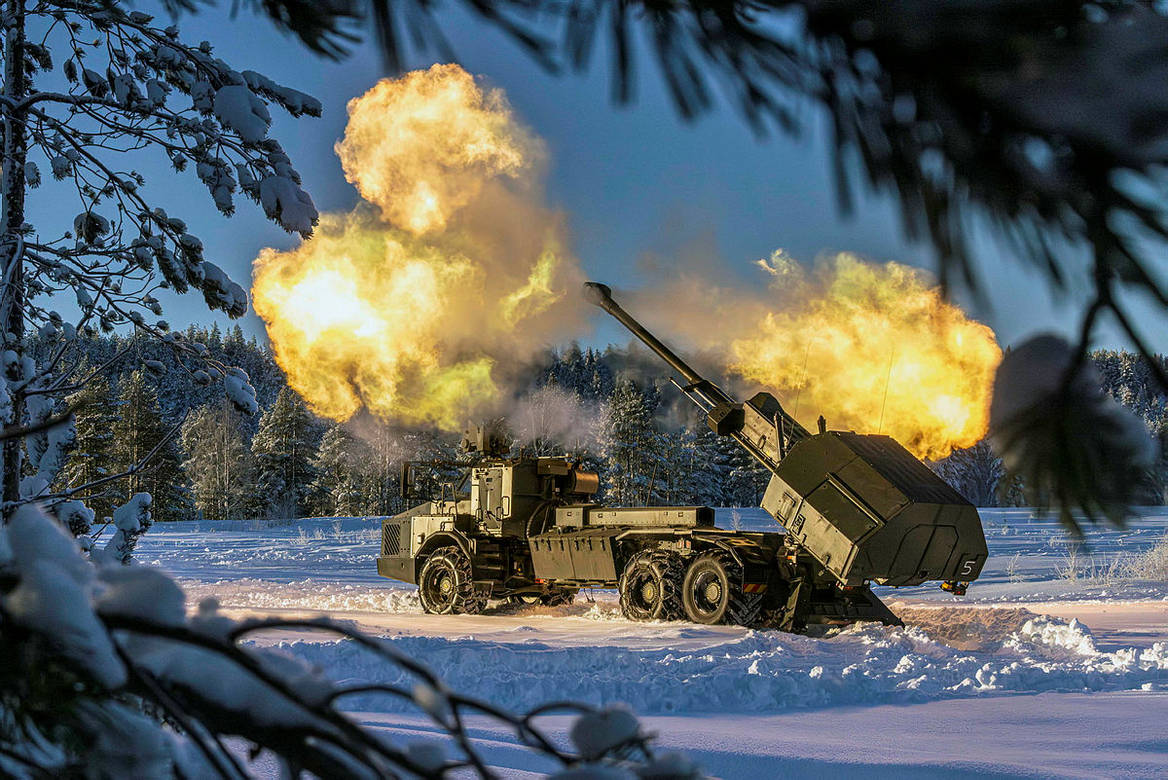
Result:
pixel 802 378
pixel 887 379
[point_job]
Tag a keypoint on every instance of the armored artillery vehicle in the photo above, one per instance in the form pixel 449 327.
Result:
pixel 851 510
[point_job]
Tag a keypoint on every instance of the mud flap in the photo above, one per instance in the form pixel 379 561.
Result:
pixel 792 616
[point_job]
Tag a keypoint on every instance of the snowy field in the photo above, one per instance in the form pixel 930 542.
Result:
pixel 1054 664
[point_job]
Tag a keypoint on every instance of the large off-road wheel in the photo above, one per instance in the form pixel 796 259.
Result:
pixel 445 584
pixel 650 584
pixel 712 592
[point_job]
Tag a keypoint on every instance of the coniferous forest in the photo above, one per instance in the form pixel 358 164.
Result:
pixel 200 457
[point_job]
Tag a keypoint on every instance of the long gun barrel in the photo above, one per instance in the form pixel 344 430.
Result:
pixel 760 425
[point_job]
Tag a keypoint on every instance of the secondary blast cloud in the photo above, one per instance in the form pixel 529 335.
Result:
pixel 872 347
pixel 423 302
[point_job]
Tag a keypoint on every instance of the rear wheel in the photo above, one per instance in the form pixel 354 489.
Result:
pixel 445 585
pixel 649 586
pixel 712 592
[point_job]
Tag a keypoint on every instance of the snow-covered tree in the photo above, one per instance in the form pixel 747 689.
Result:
pixel 975 472
pixel 283 448
pixel 220 464
pixel 145 445
pixel 1132 380
pixel 712 469
pixel 555 420
pixel 342 484
pixel 92 457
pixel 584 372
pixel 257 361
pixel 1074 446
pixel 630 446
pixel 744 480
pixel 178 383
pixel 1012 491
pixel 87 85
pixel 680 478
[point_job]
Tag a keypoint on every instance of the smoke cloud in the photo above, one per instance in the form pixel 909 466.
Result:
pixel 551 420
pixel 424 303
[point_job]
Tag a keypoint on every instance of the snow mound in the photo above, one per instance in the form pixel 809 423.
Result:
pixel 1054 636
pixel 308 595
pixel 760 672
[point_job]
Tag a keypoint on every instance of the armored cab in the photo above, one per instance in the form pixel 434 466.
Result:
pixel 486 516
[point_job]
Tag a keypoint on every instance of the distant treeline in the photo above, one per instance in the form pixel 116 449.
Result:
pixel 611 408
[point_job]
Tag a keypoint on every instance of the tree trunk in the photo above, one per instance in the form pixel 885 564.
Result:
pixel 12 186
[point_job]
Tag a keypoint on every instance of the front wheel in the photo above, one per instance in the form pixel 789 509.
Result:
pixel 445 585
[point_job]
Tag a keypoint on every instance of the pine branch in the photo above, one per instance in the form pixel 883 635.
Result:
pixel 355 741
pixel 89 486
pixel 21 431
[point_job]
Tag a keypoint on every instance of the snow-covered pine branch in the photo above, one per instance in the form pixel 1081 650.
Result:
pixel 112 628
pixel 89 85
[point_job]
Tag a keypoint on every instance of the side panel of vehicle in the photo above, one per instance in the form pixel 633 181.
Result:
pixel 396 559
pixel 589 555
pixel 598 555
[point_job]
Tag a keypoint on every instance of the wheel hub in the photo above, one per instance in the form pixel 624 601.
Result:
pixel 649 592
pixel 713 592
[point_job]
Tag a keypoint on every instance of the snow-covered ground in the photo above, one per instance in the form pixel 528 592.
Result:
pixel 1056 663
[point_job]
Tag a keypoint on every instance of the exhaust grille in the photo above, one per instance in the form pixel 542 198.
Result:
pixel 391 538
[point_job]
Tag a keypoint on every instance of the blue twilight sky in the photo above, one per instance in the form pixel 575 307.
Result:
pixel 631 179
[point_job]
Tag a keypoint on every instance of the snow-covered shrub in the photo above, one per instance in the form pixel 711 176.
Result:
pixel 1013 568
pixel 130 520
pixel 1151 564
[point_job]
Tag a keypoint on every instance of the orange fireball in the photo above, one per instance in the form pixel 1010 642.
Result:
pixel 452 270
pixel 876 348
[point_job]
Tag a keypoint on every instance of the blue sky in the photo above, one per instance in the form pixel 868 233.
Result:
pixel 631 179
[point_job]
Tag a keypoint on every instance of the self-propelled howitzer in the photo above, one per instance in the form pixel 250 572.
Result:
pixel 854 510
